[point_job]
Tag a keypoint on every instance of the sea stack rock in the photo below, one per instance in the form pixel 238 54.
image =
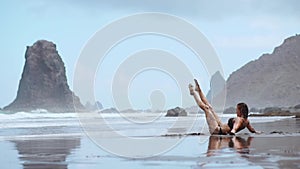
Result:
pixel 217 94
pixel 43 84
pixel 178 111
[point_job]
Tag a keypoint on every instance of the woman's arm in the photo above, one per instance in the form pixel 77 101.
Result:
pixel 237 124
pixel 250 128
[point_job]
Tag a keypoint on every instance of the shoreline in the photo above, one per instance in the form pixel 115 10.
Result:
pixel 271 114
pixel 58 147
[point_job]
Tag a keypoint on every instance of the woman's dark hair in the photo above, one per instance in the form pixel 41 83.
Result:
pixel 243 109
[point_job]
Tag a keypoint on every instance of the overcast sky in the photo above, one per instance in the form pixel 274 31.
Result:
pixel 239 31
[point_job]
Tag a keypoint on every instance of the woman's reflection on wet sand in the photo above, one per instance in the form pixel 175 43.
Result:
pixel 239 144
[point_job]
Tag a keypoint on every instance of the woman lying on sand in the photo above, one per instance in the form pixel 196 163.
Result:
pixel 215 125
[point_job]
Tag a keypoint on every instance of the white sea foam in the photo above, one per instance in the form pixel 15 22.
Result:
pixel 268 119
pixel 35 115
pixel 37 124
pixel 116 121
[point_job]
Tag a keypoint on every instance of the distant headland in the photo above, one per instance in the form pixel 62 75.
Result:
pixel 273 80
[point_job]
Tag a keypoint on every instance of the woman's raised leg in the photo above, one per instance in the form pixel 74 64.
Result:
pixel 205 101
pixel 202 96
pixel 210 118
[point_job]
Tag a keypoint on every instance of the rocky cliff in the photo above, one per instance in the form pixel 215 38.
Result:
pixel 271 80
pixel 43 84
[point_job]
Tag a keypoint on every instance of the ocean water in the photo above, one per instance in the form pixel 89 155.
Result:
pixel 64 140
pixel 32 124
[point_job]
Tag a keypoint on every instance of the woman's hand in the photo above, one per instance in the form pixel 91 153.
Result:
pixel 259 132
pixel 232 132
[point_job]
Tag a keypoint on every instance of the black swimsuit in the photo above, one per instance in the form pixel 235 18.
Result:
pixel 230 123
pixel 220 131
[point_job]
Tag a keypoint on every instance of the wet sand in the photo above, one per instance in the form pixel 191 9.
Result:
pixel 277 147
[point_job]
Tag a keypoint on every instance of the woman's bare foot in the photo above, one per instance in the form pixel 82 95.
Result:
pixel 198 89
pixel 191 88
pixel 197 86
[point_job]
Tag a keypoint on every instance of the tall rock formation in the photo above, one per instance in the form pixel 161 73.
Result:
pixel 44 84
pixel 216 94
pixel 271 80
